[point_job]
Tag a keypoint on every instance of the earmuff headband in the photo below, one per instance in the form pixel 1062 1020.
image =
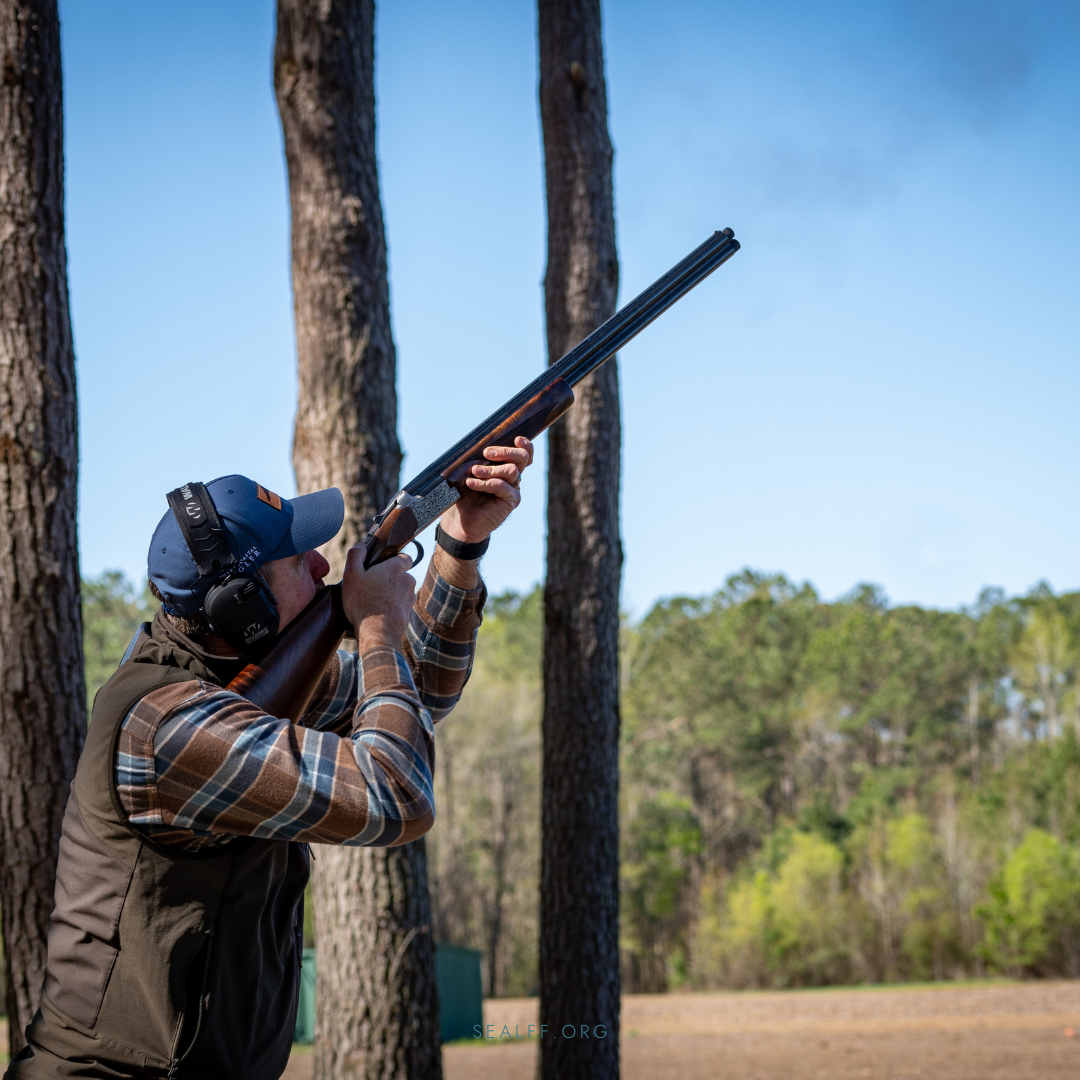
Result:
pixel 204 532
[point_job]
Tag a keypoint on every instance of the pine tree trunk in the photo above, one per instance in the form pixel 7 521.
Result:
pixel 42 695
pixel 346 417
pixel 377 1009
pixel 579 905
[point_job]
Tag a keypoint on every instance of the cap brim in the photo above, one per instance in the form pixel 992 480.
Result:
pixel 317 518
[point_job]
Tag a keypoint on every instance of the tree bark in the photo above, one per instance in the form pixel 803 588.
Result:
pixel 42 695
pixel 579 907
pixel 346 417
pixel 377 1006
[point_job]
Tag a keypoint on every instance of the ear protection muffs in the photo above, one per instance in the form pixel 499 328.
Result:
pixel 239 606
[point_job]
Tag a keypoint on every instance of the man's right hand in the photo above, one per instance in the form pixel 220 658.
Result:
pixel 378 601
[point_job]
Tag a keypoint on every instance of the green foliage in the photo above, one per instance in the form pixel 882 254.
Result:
pixel 661 844
pixel 786 925
pixel 1034 905
pixel 884 757
pixel 903 897
pixel 809 913
pixel 112 610
pixel 1043 667
pixel 309 915
pixel 711 693
pixel 484 849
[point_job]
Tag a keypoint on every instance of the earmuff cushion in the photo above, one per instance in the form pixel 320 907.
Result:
pixel 242 611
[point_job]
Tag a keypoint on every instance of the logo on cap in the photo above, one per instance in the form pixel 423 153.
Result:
pixel 268 497
pixel 248 559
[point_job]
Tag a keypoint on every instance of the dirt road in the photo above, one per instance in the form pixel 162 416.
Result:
pixel 982 1032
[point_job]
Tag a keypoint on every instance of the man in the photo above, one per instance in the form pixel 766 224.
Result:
pixel 174 948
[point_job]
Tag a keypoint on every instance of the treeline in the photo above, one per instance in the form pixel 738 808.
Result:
pixel 112 609
pixel 812 792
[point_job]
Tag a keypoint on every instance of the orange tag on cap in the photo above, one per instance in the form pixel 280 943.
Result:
pixel 268 497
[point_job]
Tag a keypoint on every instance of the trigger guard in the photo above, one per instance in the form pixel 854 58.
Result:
pixel 419 552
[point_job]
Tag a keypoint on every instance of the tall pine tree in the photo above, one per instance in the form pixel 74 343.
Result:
pixel 42 696
pixel 579 893
pixel 377 1008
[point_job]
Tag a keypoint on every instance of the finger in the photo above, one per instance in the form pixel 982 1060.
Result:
pixel 519 455
pixel 499 488
pixel 525 444
pixel 355 556
pixel 510 473
pixel 393 567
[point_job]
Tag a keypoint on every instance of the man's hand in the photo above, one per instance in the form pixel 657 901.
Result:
pixel 493 493
pixel 378 601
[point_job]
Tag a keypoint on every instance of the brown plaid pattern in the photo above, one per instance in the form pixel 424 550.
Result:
pixel 198 765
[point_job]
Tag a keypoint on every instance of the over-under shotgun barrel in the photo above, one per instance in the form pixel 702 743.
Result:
pixel 537 406
pixel 602 344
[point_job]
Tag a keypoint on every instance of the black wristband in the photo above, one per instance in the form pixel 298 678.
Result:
pixel 458 548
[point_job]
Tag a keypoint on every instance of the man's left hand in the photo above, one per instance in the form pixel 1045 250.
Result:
pixel 493 492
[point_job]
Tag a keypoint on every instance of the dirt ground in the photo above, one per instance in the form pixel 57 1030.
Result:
pixel 1028 1031
pixel 972 1032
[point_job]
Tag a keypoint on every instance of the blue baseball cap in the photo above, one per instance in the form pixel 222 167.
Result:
pixel 262 527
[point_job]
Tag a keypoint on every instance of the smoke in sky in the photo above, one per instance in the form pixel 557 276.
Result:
pixel 979 51
pixel 818 109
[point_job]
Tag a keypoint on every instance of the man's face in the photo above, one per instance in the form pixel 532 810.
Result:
pixel 294 582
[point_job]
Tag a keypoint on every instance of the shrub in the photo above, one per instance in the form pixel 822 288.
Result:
pixel 1033 913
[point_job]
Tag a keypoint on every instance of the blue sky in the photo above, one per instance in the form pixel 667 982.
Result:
pixel 881 386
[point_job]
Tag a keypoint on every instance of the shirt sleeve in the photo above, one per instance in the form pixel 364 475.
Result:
pixel 332 705
pixel 439 644
pixel 198 765
pixel 440 641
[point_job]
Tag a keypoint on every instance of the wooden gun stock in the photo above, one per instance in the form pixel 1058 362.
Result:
pixel 284 680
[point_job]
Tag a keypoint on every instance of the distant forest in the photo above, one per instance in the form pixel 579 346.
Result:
pixel 812 793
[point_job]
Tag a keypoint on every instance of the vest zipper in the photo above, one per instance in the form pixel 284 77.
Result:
pixel 298 932
pixel 174 1064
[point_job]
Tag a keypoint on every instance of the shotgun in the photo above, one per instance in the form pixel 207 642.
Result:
pixel 283 681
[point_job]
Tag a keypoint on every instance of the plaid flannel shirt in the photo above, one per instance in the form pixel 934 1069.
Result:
pixel 198 765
